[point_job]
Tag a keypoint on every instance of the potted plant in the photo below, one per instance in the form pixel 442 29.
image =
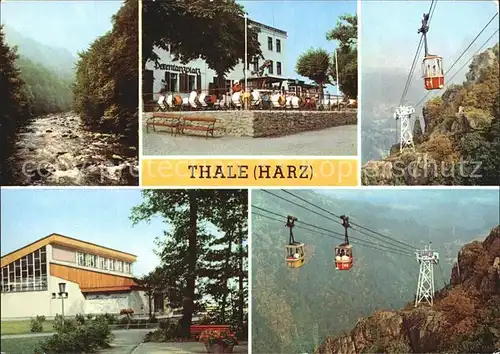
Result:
pixel 217 341
pixel 128 312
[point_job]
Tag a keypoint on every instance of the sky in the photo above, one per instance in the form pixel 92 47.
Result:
pixel 99 216
pixel 412 196
pixel 306 23
pixel 72 25
pixel 391 41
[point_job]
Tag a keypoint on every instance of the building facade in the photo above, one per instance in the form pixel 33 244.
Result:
pixel 196 75
pixel 98 279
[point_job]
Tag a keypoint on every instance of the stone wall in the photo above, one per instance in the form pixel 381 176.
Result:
pixel 278 123
pixel 272 123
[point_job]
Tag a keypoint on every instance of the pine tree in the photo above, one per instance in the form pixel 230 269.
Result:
pixel 14 108
pixel 188 260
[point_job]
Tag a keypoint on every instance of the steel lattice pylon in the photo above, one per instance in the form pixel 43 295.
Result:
pixel 406 136
pixel 425 287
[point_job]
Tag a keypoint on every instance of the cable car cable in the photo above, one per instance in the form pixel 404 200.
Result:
pixel 289 201
pixel 407 245
pixel 391 248
pixel 461 55
pixel 417 54
pixel 358 242
pixel 333 232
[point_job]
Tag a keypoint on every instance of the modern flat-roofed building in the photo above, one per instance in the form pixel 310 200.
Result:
pixel 195 75
pixel 98 279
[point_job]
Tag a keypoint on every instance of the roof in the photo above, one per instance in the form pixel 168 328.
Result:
pixel 57 239
pixel 274 29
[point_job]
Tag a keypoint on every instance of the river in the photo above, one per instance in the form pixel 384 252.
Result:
pixel 56 150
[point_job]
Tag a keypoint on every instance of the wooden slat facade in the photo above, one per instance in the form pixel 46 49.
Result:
pixel 70 243
pixel 91 281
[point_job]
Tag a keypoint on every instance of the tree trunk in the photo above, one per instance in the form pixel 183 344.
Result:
pixel 221 84
pixel 150 295
pixel 241 301
pixel 188 302
pixel 227 267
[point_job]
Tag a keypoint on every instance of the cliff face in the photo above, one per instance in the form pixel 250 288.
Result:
pixel 465 316
pixel 463 124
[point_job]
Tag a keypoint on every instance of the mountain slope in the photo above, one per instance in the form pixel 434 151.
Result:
pixel 47 93
pixel 58 60
pixel 461 140
pixel 295 309
pixel 465 316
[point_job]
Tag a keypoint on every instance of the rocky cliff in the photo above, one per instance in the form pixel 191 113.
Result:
pixel 465 317
pixel 461 136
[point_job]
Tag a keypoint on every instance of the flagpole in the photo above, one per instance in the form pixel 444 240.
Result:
pixel 337 72
pixel 246 54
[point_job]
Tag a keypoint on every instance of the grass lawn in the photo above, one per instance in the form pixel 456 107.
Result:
pixel 22 327
pixel 20 345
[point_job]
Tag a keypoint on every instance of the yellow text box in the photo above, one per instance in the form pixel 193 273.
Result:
pixel 213 172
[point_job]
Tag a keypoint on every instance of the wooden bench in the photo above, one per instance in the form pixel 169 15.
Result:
pixel 162 119
pixel 196 330
pixel 187 121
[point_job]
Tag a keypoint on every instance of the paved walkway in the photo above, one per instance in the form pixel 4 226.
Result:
pixel 126 341
pixel 339 141
pixel 180 348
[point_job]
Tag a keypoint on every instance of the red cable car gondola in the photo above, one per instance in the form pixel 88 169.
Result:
pixel 343 252
pixel 432 65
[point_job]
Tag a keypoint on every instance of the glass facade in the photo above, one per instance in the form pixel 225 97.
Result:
pixel 98 262
pixel 28 273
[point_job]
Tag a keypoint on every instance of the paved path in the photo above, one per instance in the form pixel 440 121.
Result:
pixel 180 348
pixel 339 141
pixel 126 341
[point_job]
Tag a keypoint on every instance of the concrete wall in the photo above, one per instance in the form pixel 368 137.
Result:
pixel 272 123
pixel 74 304
pixel 25 304
pixel 138 301
pixel 106 303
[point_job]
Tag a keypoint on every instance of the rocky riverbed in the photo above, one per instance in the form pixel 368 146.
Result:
pixel 56 150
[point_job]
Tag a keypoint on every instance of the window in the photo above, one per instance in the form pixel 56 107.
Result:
pixel 191 82
pixel 103 263
pixel 172 81
pixel 278 46
pixel 126 267
pixel 269 43
pixel 87 260
pixel 278 68
pixel 270 67
pixel 110 264
pixel 256 64
pixel 118 266
pixel 28 273
pixel 80 258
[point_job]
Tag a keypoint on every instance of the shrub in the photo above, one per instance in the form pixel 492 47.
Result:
pixel 440 148
pixel 82 338
pixel 37 324
pixel 63 325
pixel 167 331
pixel 80 319
pixel 109 318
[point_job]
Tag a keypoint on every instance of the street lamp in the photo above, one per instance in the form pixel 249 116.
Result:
pixel 62 294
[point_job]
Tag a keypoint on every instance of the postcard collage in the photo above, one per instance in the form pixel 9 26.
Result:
pixel 243 176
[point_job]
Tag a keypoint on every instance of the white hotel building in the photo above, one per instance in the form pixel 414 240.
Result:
pixel 197 76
